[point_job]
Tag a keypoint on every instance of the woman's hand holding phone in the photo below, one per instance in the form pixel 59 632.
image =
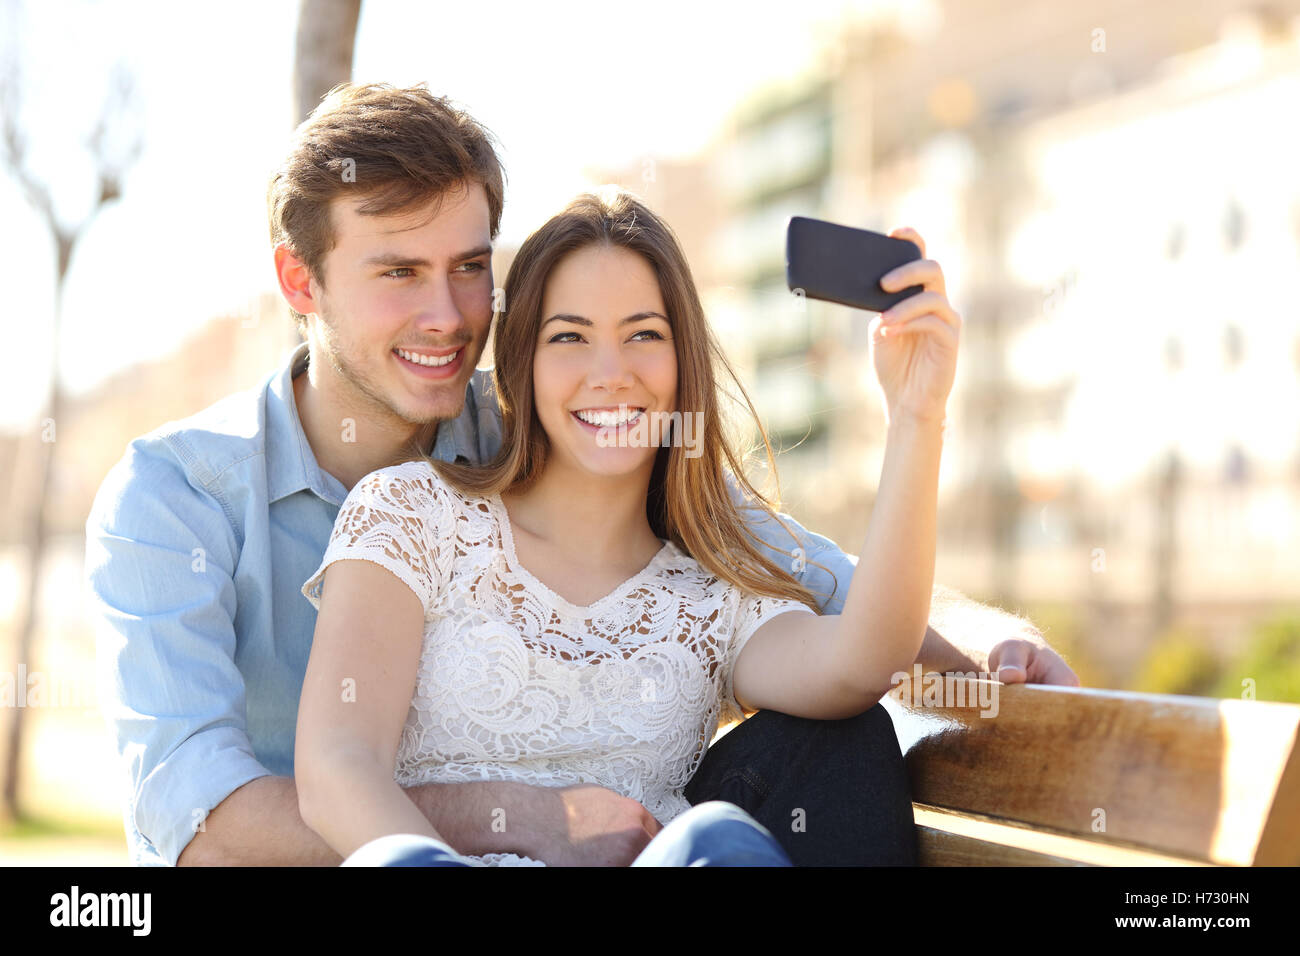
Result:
pixel 914 343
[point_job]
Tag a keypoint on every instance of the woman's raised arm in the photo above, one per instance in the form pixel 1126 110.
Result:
pixel 838 666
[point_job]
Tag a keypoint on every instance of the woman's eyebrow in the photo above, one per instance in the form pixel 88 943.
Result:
pixel 579 320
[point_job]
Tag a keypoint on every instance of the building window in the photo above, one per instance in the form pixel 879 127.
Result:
pixel 1234 345
pixel 1234 226
pixel 1236 469
pixel 1173 353
pixel 1176 242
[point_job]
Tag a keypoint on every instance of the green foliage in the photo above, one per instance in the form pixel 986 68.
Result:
pixel 1179 663
pixel 1062 629
pixel 1271 659
pixel 41 827
pixel 1181 660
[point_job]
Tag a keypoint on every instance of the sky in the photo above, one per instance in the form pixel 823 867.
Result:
pixel 566 88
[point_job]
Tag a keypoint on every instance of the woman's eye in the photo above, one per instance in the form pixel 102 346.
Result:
pixel 575 337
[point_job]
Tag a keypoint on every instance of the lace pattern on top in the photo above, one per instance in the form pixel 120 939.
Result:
pixel 517 683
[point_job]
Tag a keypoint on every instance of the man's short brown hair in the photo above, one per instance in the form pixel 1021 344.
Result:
pixel 395 148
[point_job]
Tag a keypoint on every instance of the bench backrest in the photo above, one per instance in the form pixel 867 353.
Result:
pixel 1033 773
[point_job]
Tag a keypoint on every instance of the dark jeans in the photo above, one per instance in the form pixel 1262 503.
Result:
pixel 832 792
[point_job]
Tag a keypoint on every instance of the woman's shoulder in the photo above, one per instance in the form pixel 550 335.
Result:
pixel 687 577
pixel 417 486
pixel 398 480
pixel 694 581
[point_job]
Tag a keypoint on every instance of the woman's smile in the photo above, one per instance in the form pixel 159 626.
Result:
pixel 605 417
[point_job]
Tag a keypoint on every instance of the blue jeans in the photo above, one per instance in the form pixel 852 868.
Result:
pixel 709 834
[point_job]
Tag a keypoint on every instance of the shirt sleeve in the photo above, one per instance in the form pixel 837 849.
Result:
pixel 816 562
pixel 752 612
pixel 160 559
pixel 399 518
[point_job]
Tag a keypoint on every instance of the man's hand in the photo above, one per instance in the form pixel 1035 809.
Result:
pixel 1029 660
pixel 965 635
pixel 587 825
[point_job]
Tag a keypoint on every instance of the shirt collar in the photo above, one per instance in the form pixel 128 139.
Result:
pixel 457 440
pixel 291 464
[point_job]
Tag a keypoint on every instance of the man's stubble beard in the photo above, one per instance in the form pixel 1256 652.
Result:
pixel 364 388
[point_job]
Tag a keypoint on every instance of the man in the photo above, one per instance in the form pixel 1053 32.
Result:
pixel 382 220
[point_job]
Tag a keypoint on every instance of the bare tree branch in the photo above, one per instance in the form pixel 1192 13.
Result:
pixel 114 144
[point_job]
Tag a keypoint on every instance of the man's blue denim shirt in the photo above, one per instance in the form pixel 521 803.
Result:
pixel 197 547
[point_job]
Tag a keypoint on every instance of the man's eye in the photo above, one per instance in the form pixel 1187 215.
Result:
pixel 392 272
pixel 473 266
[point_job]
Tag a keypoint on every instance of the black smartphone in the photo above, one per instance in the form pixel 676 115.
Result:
pixel 841 264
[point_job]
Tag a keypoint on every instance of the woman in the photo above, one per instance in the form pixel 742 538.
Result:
pixel 589 607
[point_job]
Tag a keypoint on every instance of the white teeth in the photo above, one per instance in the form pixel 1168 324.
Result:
pixel 429 360
pixel 603 419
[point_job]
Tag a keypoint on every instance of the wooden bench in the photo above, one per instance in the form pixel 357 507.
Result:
pixel 1066 776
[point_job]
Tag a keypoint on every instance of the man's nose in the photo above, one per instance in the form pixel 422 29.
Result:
pixel 439 311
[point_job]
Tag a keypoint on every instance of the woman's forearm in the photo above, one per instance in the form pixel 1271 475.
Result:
pixel 885 615
pixel 350 798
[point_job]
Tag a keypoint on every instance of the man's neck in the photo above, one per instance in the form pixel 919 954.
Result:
pixel 350 443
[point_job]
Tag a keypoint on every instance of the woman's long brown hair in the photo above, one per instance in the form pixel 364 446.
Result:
pixel 688 501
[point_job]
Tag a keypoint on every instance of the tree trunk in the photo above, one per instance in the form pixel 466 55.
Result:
pixel 39 491
pixel 327 31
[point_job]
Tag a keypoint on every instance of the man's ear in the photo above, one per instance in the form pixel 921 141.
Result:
pixel 295 280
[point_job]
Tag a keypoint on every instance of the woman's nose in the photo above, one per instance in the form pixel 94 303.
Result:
pixel 609 368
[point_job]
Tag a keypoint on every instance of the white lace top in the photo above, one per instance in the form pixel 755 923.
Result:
pixel 516 683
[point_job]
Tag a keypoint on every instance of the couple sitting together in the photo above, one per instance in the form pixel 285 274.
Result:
pixel 521 623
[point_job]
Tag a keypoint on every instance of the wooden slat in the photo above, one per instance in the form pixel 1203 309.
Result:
pixel 1280 843
pixel 1189 777
pixel 946 838
pixel 941 848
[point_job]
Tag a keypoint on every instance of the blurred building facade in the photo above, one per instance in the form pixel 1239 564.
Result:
pixel 1112 193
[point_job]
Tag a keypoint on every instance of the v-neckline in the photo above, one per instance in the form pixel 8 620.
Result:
pixel 508 541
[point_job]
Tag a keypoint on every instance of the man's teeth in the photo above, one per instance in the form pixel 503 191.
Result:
pixel 432 361
pixel 610 419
